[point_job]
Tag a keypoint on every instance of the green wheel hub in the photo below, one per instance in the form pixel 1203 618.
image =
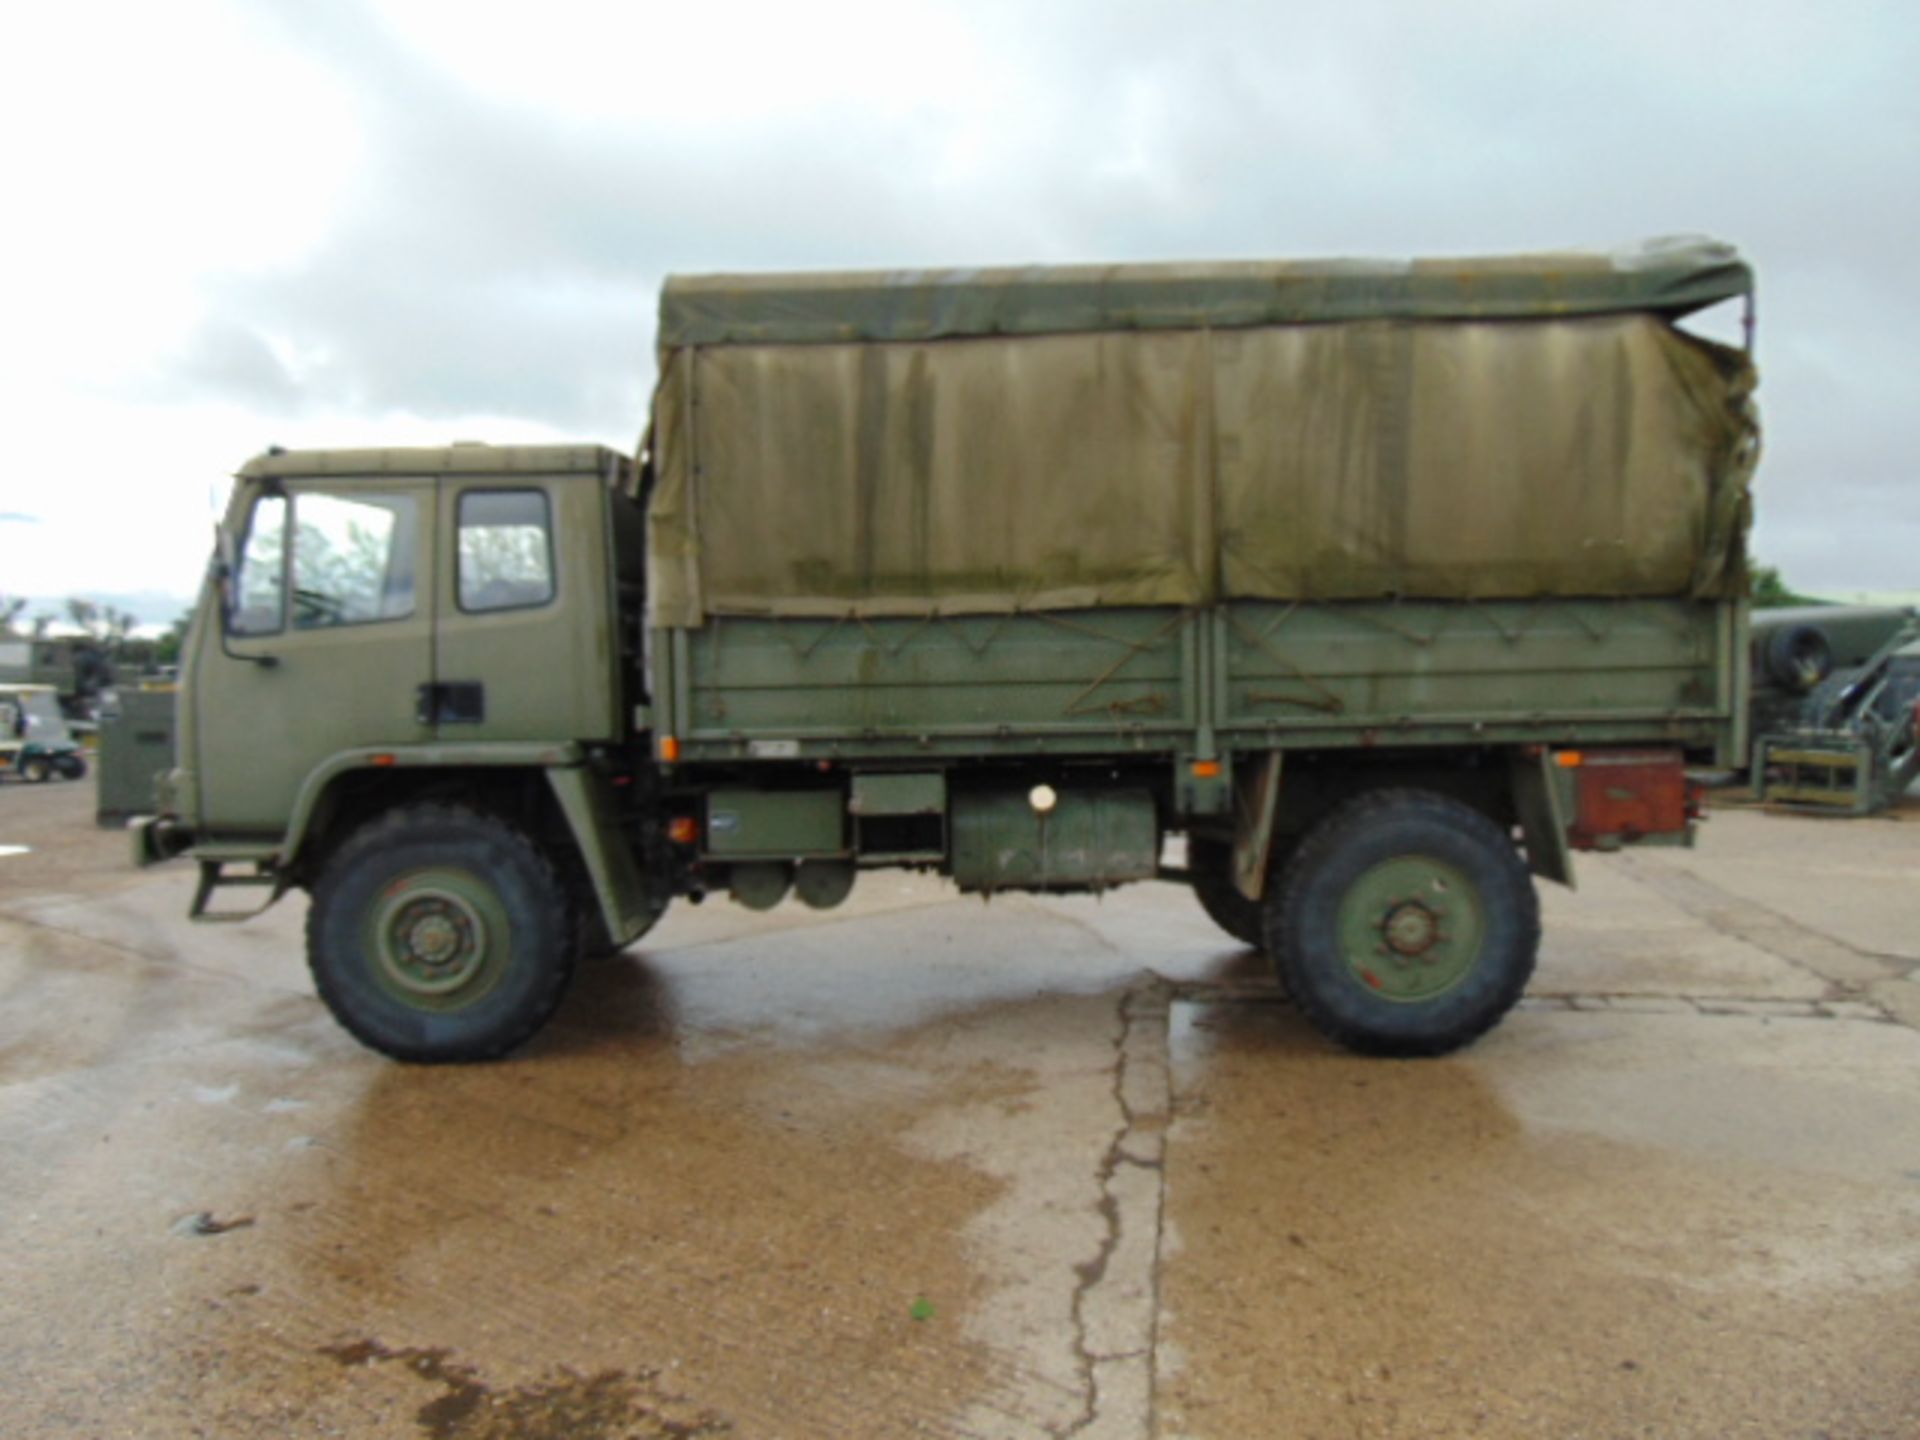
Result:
pixel 1411 928
pixel 439 939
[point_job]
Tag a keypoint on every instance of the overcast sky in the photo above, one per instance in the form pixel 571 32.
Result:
pixel 418 220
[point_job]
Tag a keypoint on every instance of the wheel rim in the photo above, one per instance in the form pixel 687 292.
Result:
pixel 1411 928
pixel 439 939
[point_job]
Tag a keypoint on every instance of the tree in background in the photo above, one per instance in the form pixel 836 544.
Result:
pixel 105 625
pixel 105 646
pixel 1770 592
pixel 83 613
pixel 166 650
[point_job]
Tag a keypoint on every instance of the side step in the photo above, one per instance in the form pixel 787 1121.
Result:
pixel 213 877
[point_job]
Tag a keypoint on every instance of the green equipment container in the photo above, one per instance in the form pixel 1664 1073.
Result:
pixel 136 747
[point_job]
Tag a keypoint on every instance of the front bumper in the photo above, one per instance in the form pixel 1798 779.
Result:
pixel 157 838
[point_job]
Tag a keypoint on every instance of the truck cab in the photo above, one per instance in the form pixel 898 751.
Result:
pixel 381 627
pixel 369 606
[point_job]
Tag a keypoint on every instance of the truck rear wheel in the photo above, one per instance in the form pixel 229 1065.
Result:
pixel 1405 924
pixel 439 934
pixel 1210 862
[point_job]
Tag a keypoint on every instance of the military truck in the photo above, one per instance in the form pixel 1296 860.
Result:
pixel 1386 585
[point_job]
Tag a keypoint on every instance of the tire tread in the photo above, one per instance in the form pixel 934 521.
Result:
pixel 1319 846
pixel 401 826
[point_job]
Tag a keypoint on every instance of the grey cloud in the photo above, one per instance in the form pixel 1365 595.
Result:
pixel 232 361
pixel 501 261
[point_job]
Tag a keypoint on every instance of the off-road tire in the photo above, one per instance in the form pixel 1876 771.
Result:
pixel 504 889
pixel 1210 862
pixel 71 767
pixel 1797 658
pixel 1344 856
pixel 34 769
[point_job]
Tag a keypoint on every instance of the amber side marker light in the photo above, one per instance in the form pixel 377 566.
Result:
pixel 1206 769
pixel 669 748
pixel 683 830
pixel 382 760
pixel 1568 759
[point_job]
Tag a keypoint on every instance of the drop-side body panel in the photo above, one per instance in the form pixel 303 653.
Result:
pixel 1246 675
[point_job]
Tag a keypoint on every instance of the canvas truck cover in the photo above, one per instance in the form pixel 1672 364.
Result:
pixel 1041 438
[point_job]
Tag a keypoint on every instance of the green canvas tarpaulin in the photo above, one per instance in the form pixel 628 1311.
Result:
pixel 830 445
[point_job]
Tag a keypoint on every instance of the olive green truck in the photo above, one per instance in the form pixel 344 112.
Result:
pixel 1387 586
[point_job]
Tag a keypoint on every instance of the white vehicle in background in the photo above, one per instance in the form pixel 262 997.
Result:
pixel 35 743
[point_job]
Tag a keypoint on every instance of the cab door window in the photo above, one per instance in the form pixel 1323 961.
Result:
pixel 353 558
pixel 505 556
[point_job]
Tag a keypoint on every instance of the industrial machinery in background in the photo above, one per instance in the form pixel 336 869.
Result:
pixel 1836 707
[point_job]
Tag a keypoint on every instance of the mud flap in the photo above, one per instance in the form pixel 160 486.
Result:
pixel 617 881
pixel 1543 823
pixel 1256 790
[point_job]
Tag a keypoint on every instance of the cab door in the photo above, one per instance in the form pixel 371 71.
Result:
pixel 327 645
pixel 526 632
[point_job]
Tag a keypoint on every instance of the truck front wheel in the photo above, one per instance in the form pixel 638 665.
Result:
pixel 439 933
pixel 1405 924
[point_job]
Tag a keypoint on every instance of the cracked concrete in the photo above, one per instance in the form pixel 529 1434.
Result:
pixel 1034 1169
pixel 1116 1302
pixel 1766 1008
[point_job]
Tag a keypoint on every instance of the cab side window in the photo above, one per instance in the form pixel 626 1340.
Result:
pixel 353 558
pixel 258 590
pixel 505 559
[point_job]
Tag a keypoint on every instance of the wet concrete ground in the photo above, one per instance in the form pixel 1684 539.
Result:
pixel 924 1166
